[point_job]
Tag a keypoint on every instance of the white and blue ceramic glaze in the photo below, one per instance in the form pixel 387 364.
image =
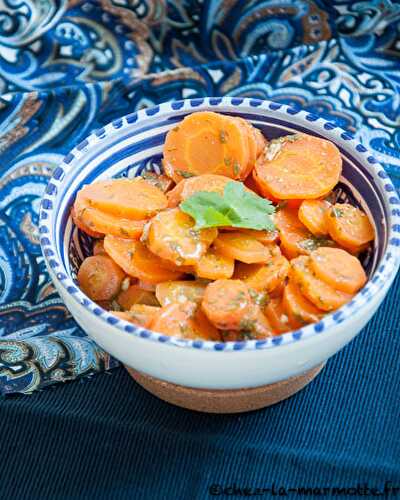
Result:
pixel 133 143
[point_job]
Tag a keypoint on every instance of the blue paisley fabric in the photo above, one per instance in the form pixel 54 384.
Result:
pixel 70 66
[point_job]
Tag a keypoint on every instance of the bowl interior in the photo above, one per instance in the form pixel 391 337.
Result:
pixel 129 159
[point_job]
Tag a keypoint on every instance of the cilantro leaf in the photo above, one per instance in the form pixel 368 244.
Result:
pixel 237 207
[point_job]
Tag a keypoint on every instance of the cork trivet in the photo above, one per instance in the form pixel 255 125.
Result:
pixel 227 400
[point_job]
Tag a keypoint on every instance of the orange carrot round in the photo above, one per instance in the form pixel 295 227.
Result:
pixel 137 261
pixel 136 295
pixel 214 266
pixel 104 223
pixel 206 143
pixel 134 199
pixel 100 278
pixel 298 167
pixel 267 276
pixel 292 232
pixel 239 246
pixel 172 236
pixel 338 269
pixel 184 320
pixel 349 226
pixel 299 310
pixel 83 227
pixel 180 291
pixel 228 304
pixel 315 290
pixel 140 314
pixel 312 213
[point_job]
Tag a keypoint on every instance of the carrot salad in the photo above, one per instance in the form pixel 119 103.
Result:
pixel 237 239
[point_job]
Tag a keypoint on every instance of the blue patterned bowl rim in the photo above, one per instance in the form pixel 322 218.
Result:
pixel 388 265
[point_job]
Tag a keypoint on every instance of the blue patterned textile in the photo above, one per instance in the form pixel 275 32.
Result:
pixel 69 67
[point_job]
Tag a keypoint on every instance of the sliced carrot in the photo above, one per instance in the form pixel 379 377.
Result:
pixel 83 227
pixel 214 266
pixel 291 231
pixel 299 310
pixel 206 143
pixel 160 181
pixel 175 195
pixel 315 290
pixel 338 269
pixel 185 320
pixel 265 237
pixel 239 246
pixel 104 223
pixel 228 304
pixel 98 248
pixel 299 167
pixel 312 213
pixel 260 140
pixel 100 277
pixel 349 226
pixel 172 236
pixel 139 314
pixel 259 328
pixel 267 276
pixel 137 261
pixel 180 291
pixel 251 141
pixel 277 316
pixel 129 198
pixel 136 295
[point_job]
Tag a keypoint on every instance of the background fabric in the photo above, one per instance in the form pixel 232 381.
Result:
pixel 68 67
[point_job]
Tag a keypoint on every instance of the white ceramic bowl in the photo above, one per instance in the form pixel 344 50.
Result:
pixel 134 142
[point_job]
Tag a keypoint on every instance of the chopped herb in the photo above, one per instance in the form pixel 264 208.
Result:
pixel 247 325
pixel 185 174
pixel 246 335
pixel 259 298
pixel 124 232
pixel 337 212
pixel 300 318
pixel 236 168
pixel 175 129
pixel 227 162
pixel 313 243
pixel 222 136
pixel 115 306
pixel 130 254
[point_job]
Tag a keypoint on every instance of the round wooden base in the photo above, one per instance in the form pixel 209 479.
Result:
pixel 224 400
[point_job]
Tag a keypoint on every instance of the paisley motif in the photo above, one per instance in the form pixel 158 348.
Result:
pixel 68 67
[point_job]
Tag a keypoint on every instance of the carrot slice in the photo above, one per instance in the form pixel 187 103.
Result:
pixel 277 316
pixel 292 232
pixel 129 198
pixel 214 266
pixel 349 226
pixel 98 248
pixel 269 276
pixel 260 140
pixel 139 314
pixel 338 269
pixel 259 328
pixel 100 277
pixel 105 223
pixel 251 141
pixel 160 181
pixel 264 237
pixel 137 261
pixel 299 310
pixel 171 236
pixel 298 167
pixel 136 295
pixel 228 304
pixel 239 246
pixel 175 195
pixel 185 320
pixel 83 227
pixel 312 213
pixel 206 143
pixel 315 290
pixel 180 291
